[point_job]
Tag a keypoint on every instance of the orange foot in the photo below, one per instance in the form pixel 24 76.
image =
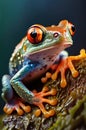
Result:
pixel 39 99
pixel 62 66
pixel 16 105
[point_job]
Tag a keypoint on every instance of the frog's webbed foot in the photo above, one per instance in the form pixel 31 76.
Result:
pixel 62 66
pixel 16 105
pixel 39 99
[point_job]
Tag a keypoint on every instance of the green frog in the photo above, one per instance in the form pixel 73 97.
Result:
pixel 32 57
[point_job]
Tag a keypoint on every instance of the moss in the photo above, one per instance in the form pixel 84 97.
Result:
pixel 70 110
pixel 71 121
pixel 1 124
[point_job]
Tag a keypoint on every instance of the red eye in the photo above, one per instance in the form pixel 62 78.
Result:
pixel 71 28
pixel 35 34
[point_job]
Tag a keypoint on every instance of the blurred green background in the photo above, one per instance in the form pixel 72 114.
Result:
pixel 17 15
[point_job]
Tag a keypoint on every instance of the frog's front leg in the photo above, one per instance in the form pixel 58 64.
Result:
pixel 62 66
pixel 32 97
pixel 67 63
pixel 58 60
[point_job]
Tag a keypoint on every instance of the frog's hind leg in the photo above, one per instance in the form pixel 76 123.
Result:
pixel 7 91
pixel 16 105
pixel 12 103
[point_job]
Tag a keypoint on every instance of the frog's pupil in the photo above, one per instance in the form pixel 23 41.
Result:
pixel 33 34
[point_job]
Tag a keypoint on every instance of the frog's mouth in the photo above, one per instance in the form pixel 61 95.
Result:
pixel 57 48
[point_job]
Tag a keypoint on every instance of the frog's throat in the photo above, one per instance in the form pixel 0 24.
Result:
pixel 61 47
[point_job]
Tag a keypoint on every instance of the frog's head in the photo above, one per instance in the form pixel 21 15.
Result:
pixel 52 39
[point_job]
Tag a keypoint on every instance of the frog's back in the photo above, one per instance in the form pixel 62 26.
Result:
pixel 16 60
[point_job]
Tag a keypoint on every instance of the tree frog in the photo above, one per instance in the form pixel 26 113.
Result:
pixel 32 57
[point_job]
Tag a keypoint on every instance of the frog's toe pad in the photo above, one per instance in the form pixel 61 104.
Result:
pixel 19 107
pixel 39 99
pixel 47 114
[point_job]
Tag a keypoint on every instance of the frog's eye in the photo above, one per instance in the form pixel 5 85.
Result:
pixel 71 28
pixel 35 34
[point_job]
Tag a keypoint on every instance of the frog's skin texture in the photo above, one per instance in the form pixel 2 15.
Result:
pixel 32 57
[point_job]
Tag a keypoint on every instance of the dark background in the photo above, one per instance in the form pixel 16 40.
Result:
pixel 17 15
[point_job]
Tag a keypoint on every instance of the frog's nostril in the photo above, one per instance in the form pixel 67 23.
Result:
pixel 56 34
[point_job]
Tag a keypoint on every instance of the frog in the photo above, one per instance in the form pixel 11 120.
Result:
pixel 31 58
